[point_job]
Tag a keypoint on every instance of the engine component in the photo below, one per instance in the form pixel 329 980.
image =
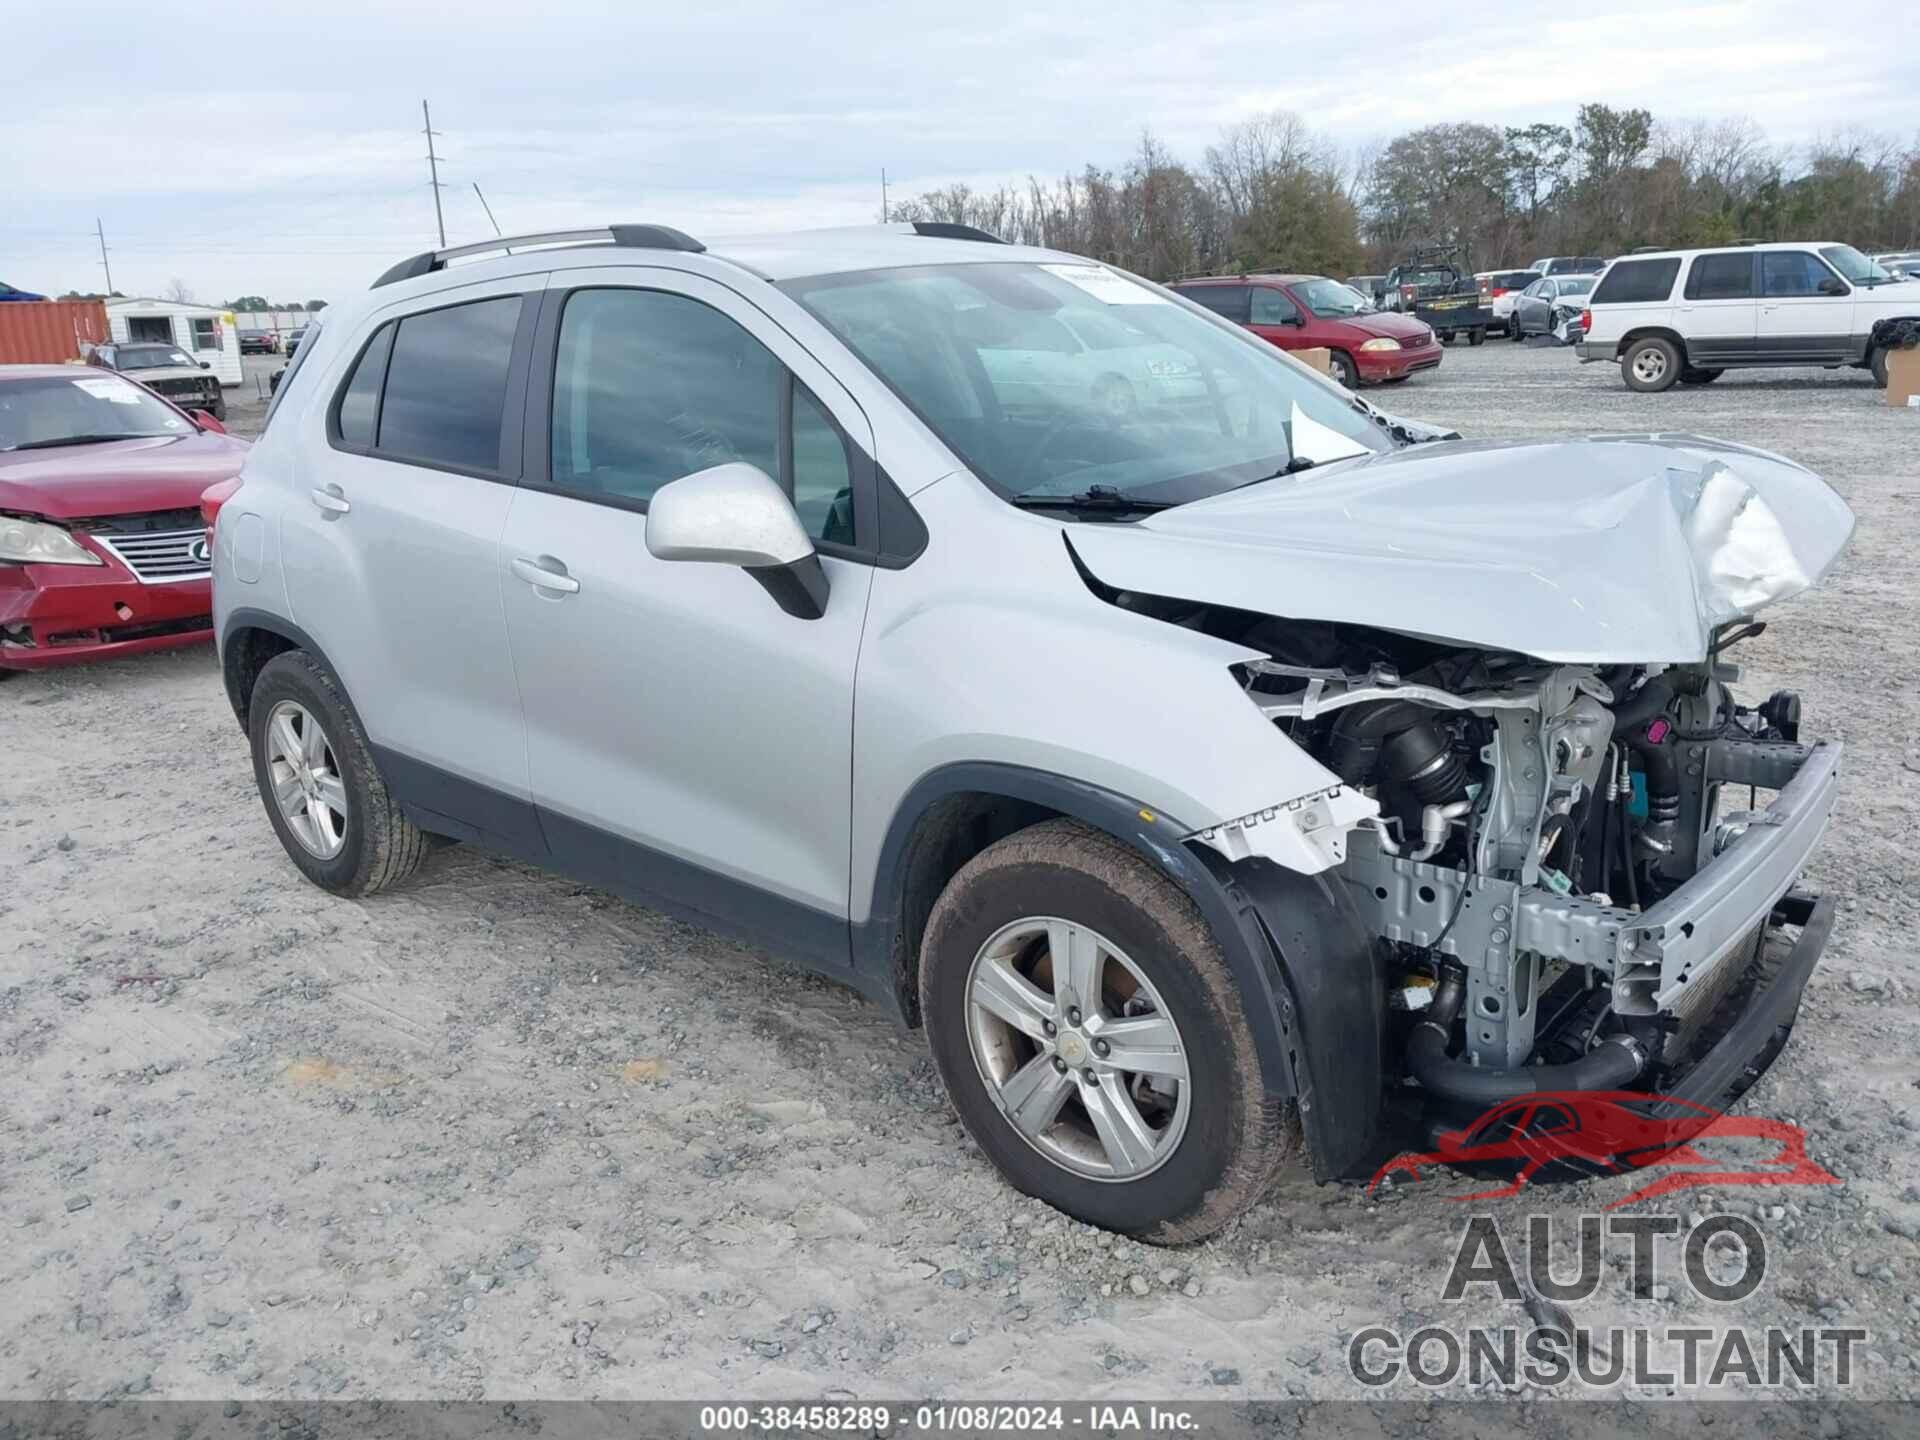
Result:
pixel 1781 710
pixel 1420 759
pixel 1614 1062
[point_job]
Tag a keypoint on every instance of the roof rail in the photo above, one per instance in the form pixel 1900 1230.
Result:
pixel 943 230
pixel 632 237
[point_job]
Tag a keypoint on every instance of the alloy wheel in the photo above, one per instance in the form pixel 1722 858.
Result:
pixel 306 780
pixel 1077 1049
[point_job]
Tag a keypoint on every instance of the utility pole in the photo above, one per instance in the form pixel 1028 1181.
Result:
pixel 433 169
pixel 883 194
pixel 101 235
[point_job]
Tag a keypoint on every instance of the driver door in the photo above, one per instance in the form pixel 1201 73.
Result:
pixel 689 743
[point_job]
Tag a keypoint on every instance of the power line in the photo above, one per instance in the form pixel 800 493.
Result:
pixel 433 169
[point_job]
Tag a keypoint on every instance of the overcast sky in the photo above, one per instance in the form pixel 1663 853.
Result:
pixel 273 147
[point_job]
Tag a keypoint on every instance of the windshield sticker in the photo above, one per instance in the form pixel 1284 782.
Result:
pixel 173 422
pixel 1320 443
pixel 117 391
pixel 1104 285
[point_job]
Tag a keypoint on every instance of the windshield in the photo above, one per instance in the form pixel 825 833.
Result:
pixel 1575 287
pixel 1855 266
pixel 1329 298
pixel 1050 380
pixel 150 357
pixel 57 409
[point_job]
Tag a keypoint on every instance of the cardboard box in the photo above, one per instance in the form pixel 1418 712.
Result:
pixel 1903 376
pixel 1321 358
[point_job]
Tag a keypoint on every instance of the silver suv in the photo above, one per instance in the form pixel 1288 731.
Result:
pixel 1194 750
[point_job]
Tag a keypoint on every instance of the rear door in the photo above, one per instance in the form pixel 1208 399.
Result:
pixel 1719 313
pixel 391 540
pixel 1799 322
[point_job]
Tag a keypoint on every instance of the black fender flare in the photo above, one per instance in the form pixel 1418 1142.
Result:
pixel 247 618
pixel 1305 968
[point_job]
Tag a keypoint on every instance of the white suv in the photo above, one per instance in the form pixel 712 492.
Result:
pixel 1689 315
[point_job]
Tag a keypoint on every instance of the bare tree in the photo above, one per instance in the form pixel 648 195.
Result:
pixel 179 291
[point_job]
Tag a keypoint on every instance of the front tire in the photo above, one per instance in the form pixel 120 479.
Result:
pixel 1092 1038
pixel 324 796
pixel 1343 369
pixel 1650 365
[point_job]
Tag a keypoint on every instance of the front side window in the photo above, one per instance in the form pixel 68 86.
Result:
pixel 650 386
pixel 1272 307
pixel 447 385
pixel 1726 276
pixel 1169 408
pixel 1786 273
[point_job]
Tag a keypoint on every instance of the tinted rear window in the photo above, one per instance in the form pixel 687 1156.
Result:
pixel 1632 282
pixel 359 412
pixel 447 385
pixel 1726 276
pixel 1232 301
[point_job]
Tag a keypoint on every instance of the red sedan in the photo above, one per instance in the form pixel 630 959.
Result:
pixel 103 551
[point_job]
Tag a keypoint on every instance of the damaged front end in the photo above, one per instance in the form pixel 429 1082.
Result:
pixel 1568 849
pixel 1568 893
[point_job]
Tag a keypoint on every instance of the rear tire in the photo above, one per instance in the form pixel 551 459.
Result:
pixel 1135 943
pixel 329 806
pixel 1650 365
pixel 1476 337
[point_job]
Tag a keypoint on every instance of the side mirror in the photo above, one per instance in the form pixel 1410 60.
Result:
pixel 1834 286
pixel 205 421
pixel 735 514
pixel 206 364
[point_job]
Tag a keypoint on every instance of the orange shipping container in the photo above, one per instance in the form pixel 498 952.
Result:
pixel 46 332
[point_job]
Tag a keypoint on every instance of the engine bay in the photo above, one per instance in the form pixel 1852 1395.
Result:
pixel 1540 874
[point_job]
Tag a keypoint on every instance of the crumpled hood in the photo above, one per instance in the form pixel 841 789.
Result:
pixel 1615 549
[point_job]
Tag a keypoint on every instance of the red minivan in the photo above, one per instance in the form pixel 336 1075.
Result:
pixel 1308 312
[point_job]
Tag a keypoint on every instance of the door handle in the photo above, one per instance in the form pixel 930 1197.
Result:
pixel 330 500
pixel 546 573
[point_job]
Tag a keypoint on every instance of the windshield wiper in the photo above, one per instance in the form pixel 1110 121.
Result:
pixel 1094 497
pixel 77 440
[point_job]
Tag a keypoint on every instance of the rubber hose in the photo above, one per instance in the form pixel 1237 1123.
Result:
pixel 1613 1063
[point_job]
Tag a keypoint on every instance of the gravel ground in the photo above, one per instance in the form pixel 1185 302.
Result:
pixel 500 1135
